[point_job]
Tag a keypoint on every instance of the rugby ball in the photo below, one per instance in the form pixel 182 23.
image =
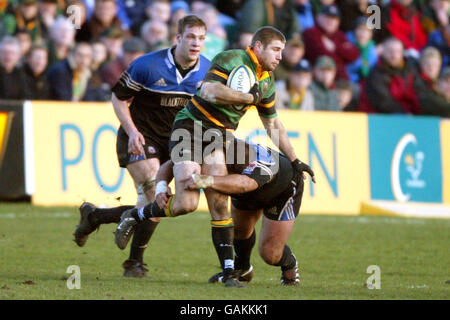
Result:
pixel 241 79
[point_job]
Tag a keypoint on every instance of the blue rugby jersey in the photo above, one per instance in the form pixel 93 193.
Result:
pixel 158 90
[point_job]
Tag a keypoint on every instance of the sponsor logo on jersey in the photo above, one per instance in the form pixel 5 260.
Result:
pixel 174 102
pixel 160 83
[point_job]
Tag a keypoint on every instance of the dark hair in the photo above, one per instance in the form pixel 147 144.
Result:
pixel 190 21
pixel 266 35
pixel 242 154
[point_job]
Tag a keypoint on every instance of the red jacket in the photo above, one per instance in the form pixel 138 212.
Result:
pixel 391 90
pixel 344 53
pixel 404 24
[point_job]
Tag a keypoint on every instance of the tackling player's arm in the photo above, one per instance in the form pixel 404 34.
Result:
pixel 229 184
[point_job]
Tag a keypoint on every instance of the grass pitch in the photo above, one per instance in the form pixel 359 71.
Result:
pixel 334 253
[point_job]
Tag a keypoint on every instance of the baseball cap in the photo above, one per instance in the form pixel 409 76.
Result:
pixel 331 10
pixel 113 32
pixel 325 62
pixel 28 2
pixel 178 5
pixel 303 65
pixel 134 45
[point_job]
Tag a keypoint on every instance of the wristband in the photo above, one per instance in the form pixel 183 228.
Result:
pixel 161 187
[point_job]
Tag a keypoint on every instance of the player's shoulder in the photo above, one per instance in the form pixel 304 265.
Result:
pixel 229 57
pixel 150 58
pixel 204 63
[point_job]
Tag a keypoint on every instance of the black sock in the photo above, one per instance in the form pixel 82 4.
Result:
pixel 141 237
pixel 152 210
pixel 223 243
pixel 287 260
pixel 243 250
pixel 107 215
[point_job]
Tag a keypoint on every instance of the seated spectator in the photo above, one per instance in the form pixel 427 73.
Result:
pixel 345 95
pixel 155 33
pixel 292 54
pixel 443 86
pixel 305 14
pixel 99 55
pixel 26 17
pixel 71 79
pixel 216 36
pixel 132 49
pixel 432 100
pixel 280 14
pixel 368 56
pixel 25 41
pixel 178 10
pixel 154 10
pixel 326 39
pixel 113 39
pixel 322 86
pixel 35 73
pixel 440 39
pixel 294 93
pixel 62 39
pixel 437 16
pixel 400 19
pixel 48 11
pixel 104 18
pixel 12 76
pixel 351 10
pixel 389 87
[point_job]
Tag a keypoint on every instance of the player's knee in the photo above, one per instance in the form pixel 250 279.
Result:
pixel 270 254
pixel 184 207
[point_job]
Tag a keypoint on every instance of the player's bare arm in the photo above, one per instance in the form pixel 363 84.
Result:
pixel 279 137
pixel 229 184
pixel 136 139
pixel 216 92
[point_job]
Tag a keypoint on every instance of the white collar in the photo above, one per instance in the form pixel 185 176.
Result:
pixel 172 61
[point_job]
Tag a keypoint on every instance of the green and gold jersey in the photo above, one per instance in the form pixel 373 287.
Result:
pixel 228 116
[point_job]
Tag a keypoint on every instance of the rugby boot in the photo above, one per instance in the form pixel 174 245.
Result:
pixel 125 229
pixel 85 227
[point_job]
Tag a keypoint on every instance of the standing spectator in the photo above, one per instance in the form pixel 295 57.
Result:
pixel 432 100
pixel 292 54
pixel 133 48
pixel 368 56
pixel 12 76
pixel 400 19
pixel 62 38
pixel 440 39
pixel 156 35
pixel 35 73
pixel 390 85
pixel 70 80
pixel 305 14
pixel 280 14
pixel 294 93
pixel 326 39
pixel 104 18
pixel 322 87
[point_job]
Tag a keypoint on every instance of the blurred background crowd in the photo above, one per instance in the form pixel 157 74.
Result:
pixel 388 56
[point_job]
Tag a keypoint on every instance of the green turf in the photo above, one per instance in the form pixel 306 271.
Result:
pixel 334 252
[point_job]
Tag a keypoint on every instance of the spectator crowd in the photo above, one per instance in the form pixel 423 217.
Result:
pixel 378 56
